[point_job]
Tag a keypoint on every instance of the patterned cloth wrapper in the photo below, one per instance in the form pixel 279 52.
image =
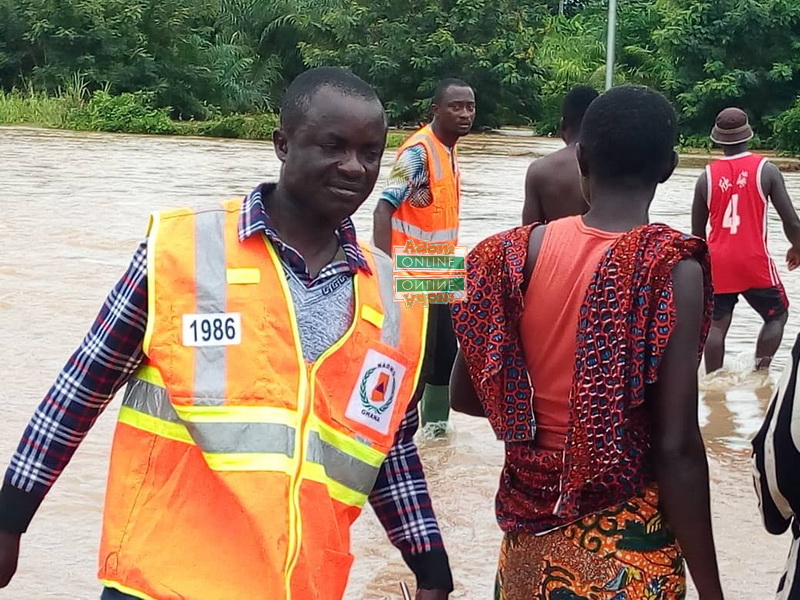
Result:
pixel 621 553
pixel 625 323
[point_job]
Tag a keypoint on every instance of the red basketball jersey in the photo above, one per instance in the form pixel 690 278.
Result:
pixel 737 225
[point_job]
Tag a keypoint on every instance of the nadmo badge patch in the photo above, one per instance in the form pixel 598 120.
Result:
pixel 374 397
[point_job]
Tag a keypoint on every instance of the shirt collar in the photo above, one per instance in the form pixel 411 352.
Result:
pixel 254 219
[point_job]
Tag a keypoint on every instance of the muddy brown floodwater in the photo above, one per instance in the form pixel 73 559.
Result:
pixel 74 208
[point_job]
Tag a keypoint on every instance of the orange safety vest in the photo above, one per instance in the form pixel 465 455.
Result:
pixel 437 222
pixel 237 468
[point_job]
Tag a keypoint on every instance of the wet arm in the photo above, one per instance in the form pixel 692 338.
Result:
pixel 402 503
pixel 408 174
pixel 108 355
pixel 463 397
pixel 679 452
pixel 775 187
pixel 382 225
pixel 532 211
pixel 700 207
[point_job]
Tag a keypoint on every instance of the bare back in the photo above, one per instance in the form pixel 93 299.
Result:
pixel 552 188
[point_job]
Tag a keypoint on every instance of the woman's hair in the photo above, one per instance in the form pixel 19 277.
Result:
pixel 629 132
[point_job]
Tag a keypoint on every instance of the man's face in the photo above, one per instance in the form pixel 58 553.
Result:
pixel 456 112
pixel 332 158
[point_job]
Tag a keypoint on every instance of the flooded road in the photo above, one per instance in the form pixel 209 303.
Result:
pixel 75 206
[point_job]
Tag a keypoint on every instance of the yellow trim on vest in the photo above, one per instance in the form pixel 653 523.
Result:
pixel 150 374
pixel 221 414
pixel 154 425
pixel 371 315
pixel 244 275
pixel 250 462
pixel 295 523
pixel 423 344
pixel 215 461
pixel 337 491
pixel 237 414
pixel 348 445
pixel 302 438
pixel 152 234
pixel 126 590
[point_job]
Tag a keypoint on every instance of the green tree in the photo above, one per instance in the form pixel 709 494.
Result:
pixel 403 47
pixel 742 52
pixel 181 51
pixel 572 51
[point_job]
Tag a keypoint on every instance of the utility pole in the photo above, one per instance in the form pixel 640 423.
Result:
pixel 611 42
pixel 561 7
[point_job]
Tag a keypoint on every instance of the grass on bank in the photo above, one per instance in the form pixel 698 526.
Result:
pixel 77 110
pixel 74 108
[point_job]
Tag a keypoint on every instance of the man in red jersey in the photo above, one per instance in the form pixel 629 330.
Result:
pixel 730 212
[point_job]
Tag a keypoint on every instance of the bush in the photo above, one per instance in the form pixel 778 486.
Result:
pixel 247 127
pixel 260 127
pixel 786 129
pixel 395 139
pixel 126 113
pixel 226 127
pixel 689 143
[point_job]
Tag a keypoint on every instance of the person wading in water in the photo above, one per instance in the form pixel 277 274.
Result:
pixel 553 183
pixel 580 342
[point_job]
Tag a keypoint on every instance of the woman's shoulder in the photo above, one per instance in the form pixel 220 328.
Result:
pixel 660 240
pixel 498 246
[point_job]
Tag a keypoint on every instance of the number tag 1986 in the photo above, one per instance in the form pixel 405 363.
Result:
pixel 212 329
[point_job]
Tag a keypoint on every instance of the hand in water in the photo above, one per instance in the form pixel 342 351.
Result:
pixel 793 259
pixel 431 595
pixel 9 554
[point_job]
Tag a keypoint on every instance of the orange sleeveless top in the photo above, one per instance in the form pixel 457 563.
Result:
pixel 569 256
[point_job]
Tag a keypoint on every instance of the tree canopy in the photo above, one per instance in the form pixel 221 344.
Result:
pixel 210 58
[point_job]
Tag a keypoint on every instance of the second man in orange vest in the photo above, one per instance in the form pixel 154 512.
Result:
pixel 420 203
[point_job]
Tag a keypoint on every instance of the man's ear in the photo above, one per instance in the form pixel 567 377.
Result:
pixel 583 166
pixel 671 168
pixel 583 171
pixel 434 109
pixel 281 143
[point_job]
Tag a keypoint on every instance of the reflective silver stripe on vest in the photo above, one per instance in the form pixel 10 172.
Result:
pixel 412 231
pixel 211 280
pixel 241 438
pixel 145 397
pixel 390 333
pixel 212 438
pixel 340 466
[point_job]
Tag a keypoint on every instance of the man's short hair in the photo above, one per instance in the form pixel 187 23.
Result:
pixel 300 92
pixel 574 105
pixel 446 84
pixel 629 131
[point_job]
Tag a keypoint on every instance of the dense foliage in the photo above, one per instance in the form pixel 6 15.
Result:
pixel 209 59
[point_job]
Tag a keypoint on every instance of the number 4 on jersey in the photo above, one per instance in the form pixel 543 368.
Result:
pixel 730 219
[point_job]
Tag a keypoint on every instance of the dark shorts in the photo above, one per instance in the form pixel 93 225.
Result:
pixel 770 303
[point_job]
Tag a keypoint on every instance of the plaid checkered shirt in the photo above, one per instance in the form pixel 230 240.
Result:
pixel 111 352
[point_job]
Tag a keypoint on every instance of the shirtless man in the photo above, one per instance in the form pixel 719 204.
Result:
pixel 552 184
